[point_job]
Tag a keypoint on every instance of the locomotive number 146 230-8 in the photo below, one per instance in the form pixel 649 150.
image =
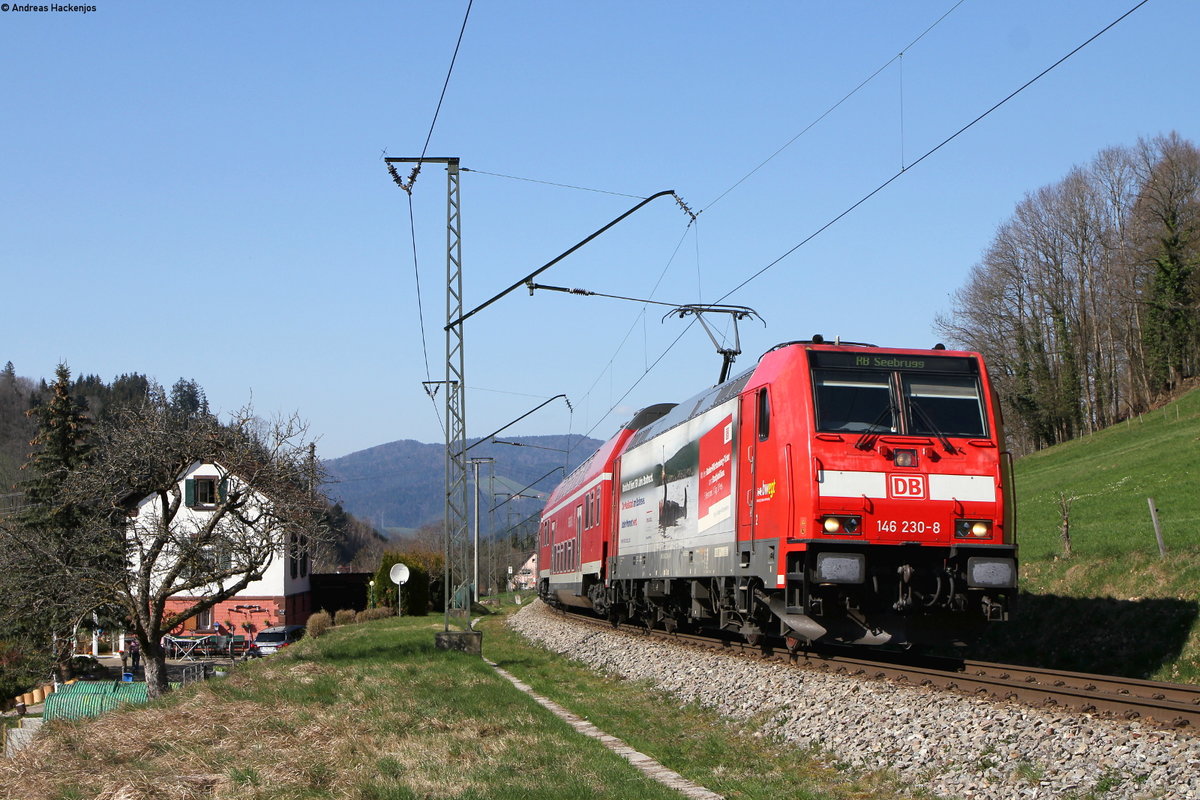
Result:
pixel 913 526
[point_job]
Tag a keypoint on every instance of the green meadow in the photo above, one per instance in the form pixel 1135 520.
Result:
pixel 1114 605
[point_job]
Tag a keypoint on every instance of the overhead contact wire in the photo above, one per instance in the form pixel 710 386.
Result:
pixel 449 72
pixel 934 149
pixel 874 191
pixel 551 183
pixel 833 107
pixel 411 223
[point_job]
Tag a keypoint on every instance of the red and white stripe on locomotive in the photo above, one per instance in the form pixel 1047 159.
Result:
pixel 831 493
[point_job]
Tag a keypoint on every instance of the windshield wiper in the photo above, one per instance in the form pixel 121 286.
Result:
pixel 945 440
pixel 867 440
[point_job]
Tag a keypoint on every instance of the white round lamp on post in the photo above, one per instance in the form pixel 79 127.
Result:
pixel 399 576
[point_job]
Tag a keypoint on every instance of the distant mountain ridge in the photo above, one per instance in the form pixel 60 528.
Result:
pixel 402 484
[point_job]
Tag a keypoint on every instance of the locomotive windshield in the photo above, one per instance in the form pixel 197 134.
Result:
pixel 943 404
pixel 854 401
pixel 937 396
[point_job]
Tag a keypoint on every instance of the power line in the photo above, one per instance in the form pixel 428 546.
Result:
pixel 445 85
pixel 694 220
pixel 833 107
pixel 529 278
pixel 412 228
pixel 633 324
pixel 934 149
pixel 868 196
pixel 551 183
pixel 408 190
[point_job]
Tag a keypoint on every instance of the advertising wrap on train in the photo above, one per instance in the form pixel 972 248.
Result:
pixel 677 489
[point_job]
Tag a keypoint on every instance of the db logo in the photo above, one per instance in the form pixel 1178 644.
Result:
pixel 909 487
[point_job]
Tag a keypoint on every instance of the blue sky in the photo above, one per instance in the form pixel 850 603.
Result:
pixel 196 189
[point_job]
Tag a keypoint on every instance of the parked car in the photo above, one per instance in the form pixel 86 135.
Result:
pixel 271 640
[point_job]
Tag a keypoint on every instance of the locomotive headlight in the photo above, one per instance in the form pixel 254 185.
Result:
pixel 904 458
pixel 842 525
pixel 973 528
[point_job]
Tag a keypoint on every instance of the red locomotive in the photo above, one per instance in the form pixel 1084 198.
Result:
pixel 833 493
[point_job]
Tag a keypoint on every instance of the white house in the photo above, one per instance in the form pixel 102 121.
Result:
pixel 526 577
pixel 282 595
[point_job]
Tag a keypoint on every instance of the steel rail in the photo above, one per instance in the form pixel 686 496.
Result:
pixel 1165 704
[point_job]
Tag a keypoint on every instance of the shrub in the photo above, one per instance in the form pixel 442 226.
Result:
pixel 369 614
pixel 84 663
pixel 345 616
pixel 318 623
pixel 423 591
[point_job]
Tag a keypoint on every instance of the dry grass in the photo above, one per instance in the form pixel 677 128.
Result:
pixel 368 711
pixel 199 746
pixel 373 712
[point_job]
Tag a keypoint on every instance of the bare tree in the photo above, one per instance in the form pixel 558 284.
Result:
pixel 133 493
pixel 1087 301
pixel 1064 530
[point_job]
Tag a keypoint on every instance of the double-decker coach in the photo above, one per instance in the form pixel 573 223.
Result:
pixel 573 539
pixel 834 492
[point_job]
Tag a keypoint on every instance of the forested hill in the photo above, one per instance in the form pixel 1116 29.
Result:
pixel 18 395
pixel 402 484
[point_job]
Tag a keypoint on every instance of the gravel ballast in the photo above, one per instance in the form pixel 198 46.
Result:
pixel 945 743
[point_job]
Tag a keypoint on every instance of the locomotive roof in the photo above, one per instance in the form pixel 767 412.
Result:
pixel 597 461
pixel 693 407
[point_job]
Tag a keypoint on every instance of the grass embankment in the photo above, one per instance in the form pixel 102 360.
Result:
pixel 373 711
pixel 1115 605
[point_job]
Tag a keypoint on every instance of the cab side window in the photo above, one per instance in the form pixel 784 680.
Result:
pixel 764 415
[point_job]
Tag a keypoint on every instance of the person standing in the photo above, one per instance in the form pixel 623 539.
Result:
pixel 135 653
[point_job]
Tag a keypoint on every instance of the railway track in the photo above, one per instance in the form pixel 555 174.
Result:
pixel 1166 704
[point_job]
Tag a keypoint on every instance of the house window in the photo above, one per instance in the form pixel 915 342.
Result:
pixel 204 619
pixel 206 492
pixel 202 492
pixel 298 555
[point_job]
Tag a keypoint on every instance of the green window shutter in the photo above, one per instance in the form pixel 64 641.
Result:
pixel 189 492
pixel 223 490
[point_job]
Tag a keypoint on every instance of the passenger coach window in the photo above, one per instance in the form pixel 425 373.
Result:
pixel 941 404
pixel 854 401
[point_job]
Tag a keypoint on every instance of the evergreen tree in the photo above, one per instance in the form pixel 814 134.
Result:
pixel 126 390
pixel 45 537
pixel 61 445
pixel 188 399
